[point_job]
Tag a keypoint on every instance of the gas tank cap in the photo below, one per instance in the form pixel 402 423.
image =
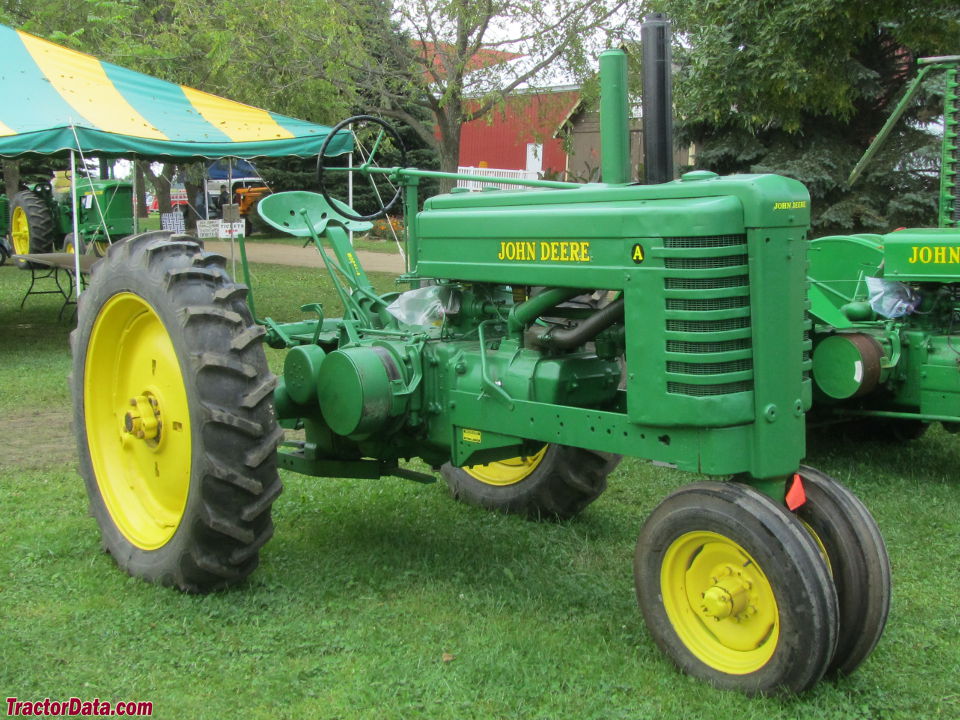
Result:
pixel 694 175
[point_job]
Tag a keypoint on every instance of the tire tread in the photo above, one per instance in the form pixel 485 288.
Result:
pixel 234 480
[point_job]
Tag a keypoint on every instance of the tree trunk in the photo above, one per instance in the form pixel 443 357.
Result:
pixel 161 183
pixel 449 152
pixel 198 210
pixel 142 209
pixel 11 177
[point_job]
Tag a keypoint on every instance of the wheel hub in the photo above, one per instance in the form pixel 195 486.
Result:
pixel 143 421
pixel 728 597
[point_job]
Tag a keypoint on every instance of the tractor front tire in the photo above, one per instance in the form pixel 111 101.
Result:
pixel 172 408
pixel 735 591
pixel 71 245
pixel 857 558
pixel 31 226
pixel 557 482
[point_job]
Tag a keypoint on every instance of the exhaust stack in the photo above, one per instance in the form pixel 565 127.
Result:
pixel 657 99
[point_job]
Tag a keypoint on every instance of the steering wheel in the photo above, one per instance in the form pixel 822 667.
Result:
pixel 370 135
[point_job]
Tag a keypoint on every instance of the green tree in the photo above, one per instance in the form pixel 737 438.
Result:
pixel 800 87
pixel 459 59
pixel 266 53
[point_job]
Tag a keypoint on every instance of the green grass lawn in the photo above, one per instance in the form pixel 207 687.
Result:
pixel 386 599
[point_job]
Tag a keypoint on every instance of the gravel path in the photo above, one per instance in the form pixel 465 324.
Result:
pixel 305 257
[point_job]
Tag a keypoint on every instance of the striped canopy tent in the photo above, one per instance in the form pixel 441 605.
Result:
pixel 58 100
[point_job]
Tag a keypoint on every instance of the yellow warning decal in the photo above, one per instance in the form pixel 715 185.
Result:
pixel 472 436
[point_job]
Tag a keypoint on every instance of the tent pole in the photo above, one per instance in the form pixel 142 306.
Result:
pixel 136 198
pixel 233 240
pixel 76 226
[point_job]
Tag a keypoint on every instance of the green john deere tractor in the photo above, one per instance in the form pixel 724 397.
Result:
pixel 697 355
pixel 41 219
pixel 886 336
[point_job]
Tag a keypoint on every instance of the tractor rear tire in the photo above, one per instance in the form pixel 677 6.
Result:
pixel 858 562
pixel 896 430
pixel 31 226
pixel 735 591
pixel 172 408
pixel 557 482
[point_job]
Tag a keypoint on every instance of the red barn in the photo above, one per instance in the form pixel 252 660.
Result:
pixel 519 134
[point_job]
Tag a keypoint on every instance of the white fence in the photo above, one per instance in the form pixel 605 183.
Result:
pixel 494 173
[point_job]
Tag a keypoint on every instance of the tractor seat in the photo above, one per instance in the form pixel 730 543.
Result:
pixel 284 212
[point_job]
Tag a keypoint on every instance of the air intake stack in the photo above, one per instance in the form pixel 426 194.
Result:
pixel 614 118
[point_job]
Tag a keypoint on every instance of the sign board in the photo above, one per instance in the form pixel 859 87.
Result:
pixel 208 228
pixel 231 212
pixel 172 221
pixel 231 230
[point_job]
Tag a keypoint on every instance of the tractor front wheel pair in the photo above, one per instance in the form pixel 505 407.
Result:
pixel 176 434
pixel 741 592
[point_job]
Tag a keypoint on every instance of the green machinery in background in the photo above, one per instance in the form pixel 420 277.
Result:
pixel 544 334
pixel 887 307
pixel 41 219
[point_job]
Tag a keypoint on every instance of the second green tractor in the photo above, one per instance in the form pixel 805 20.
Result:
pixel 41 218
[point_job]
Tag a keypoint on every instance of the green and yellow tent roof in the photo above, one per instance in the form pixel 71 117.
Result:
pixel 57 99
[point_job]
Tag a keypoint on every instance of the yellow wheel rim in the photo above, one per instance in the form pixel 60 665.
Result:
pixel 69 248
pixel 719 602
pixel 820 546
pixel 20 230
pixel 507 472
pixel 137 421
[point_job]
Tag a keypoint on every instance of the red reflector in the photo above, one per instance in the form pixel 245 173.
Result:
pixel 796 496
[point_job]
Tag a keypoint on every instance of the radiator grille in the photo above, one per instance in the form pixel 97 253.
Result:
pixel 708 326
pixel 703 242
pixel 709 390
pixel 706 283
pixel 704 263
pixel 717 368
pixel 693 356
pixel 683 346
pixel 696 305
